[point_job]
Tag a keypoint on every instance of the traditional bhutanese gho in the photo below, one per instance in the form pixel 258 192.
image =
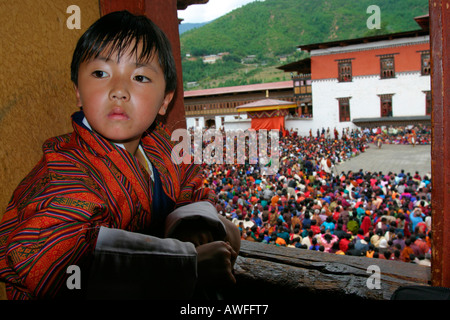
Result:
pixel 85 193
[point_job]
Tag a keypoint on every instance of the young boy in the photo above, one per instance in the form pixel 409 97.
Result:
pixel 106 213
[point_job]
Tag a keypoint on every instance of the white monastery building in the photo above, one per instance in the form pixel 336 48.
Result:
pixel 370 81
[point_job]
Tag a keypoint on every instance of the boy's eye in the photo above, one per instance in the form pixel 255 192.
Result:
pixel 141 79
pixel 99 74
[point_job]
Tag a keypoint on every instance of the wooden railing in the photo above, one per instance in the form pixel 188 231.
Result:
pixel 299 273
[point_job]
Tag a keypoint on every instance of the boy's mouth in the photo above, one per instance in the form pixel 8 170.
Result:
pixel 117 113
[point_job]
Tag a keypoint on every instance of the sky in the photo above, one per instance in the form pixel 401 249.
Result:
pixel 211 10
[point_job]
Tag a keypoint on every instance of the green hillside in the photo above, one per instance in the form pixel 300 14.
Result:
pixel 271 30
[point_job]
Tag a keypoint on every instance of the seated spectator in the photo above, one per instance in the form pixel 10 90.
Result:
pixel 352 251
pixel 314 245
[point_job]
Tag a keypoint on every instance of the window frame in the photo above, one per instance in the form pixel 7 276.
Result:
pixel 344 109
pixel 387 73
pixel 425 70
pixel 386 98
pixel 345 70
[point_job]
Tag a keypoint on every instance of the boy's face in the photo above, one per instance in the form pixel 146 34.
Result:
pixel 121 99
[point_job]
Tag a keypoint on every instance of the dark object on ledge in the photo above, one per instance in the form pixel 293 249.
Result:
pixel 421 293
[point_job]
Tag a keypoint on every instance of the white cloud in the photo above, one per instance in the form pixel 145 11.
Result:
pixel 211 10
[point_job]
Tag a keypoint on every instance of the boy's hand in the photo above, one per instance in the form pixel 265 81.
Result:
pixel 214 263
pixel 233 236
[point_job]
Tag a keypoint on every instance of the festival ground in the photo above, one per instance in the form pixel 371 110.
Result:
pixel 391 158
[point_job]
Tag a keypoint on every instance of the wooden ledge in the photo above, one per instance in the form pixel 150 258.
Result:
pixel 300 273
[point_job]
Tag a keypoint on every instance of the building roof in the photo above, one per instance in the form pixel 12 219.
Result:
pixel 266 104
pixel 391 119
pixel 183 4
pixel 240 89
pixel 300 66
pixel 343 43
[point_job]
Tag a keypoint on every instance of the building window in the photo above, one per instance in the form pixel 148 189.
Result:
pixel 302 84
pixel 344 109
pixel 427 103
pixel 345 70
pixel 386 105
pixel 387 67
pixel 426 64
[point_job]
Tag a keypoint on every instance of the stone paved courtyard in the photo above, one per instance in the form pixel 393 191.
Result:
pixel 391 158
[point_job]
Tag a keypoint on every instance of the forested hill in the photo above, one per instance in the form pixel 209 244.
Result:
pixel 183 27
pixel 271 29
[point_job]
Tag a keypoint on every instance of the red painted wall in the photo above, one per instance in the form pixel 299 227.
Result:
pixel 407 58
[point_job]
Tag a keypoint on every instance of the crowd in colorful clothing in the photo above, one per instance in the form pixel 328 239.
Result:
pixel 413 135
pixel 418 134
pixel 309 205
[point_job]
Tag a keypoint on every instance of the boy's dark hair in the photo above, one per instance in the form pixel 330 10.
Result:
pixel 115 33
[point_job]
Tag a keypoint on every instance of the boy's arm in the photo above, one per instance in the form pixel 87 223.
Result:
pixel 197 222
pixel 131 265
pixel 192 192
pixel 216 240
pixel 200 223
pixel 128 265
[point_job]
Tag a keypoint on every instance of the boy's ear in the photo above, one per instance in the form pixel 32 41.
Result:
pixel 77 94
pixel 167 99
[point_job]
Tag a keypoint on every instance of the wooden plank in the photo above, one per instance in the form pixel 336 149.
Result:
pixel 311 274
pixel 440 151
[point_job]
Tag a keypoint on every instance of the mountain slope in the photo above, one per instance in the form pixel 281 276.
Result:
pixel 183 27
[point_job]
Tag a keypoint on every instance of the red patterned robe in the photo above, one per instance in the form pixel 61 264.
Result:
pixel 83 182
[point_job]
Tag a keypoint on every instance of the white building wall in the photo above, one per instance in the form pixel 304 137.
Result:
pixel 240 124
pixel 229 120
pixel 408 100
pixel 302 126
pixel 191 123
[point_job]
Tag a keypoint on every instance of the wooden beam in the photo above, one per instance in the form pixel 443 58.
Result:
pixel 440 148
pixel 183 4
pixel 135 6
pixel 164 14
pixel 301 273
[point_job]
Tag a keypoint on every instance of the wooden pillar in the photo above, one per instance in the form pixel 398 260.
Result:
pixel 164 14
pixel 440 149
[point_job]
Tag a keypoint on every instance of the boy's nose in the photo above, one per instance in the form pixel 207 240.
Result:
pixel 119 92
